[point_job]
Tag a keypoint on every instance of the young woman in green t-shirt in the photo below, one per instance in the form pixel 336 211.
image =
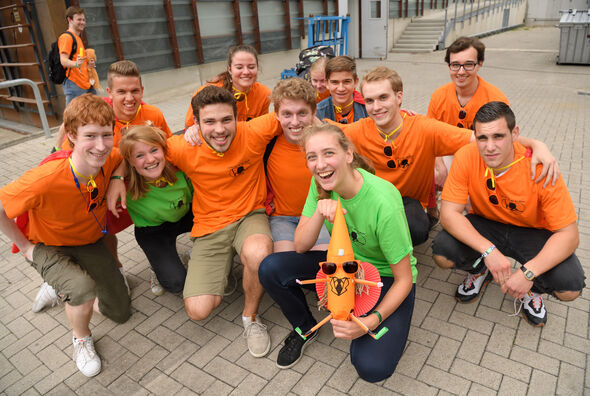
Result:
pixel 159 202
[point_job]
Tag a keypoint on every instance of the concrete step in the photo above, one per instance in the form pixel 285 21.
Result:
pixel 410 50
pixel 425 46
pixel 404 40
pixel 412 27
pixel 421 22
pixel 423 32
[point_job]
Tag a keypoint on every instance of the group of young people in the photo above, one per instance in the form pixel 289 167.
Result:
pixel 264 186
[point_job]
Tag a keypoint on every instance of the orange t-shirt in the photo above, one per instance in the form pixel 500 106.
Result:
pixel 230 186
pixel 255 104
pixel 413 151
pixel 146 113
pixel 289 177
pixel 444 105
pixel 349 117
pixel 57 208
pixel 78 76
pixel 322 96
pixel 520 201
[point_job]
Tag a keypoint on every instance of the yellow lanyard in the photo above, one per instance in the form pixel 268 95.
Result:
pixel 91 182
pixel 492 170
pixel 388 135
pixel 340 109
pixel 239 94
pixel 160 180
pixel 131 120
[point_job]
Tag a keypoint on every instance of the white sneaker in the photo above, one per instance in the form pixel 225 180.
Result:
pixel 122 270
pixel 86 358
pixel 469 290
pixel 46 296
pixel 157 289
pixel 257 339
pixel 533 309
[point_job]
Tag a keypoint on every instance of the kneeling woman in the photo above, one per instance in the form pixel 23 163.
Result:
pixel 379 234
pixel 159 202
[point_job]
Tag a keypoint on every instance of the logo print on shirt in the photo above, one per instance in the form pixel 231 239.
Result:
pixel 358 237
pixel 239 169
pixel 513 206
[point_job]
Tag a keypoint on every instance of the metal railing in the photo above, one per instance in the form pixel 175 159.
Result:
pixel 37 93
pixel 476 9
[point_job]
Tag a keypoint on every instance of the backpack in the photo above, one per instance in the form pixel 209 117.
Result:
pixel 56 72
pixel 310 55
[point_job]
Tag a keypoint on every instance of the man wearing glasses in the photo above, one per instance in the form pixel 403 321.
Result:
pixel 64 237
pixel 511 216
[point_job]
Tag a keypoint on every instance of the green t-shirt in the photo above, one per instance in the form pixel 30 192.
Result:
pixel 376 222
pixel 160 205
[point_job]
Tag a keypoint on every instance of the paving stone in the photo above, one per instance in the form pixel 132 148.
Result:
pixel 577 343
pixel 25 362
pixel 471 322
pixel 27 381
pixel 137 343
pixel 14 346
pixel 159 383
pixel 326 354
pixel 206 353
pixel 154 320
pixel 92 388
pixel 480 390
pixel 53 357
pixel 421 309
pixel 423 337
pixel 251 385
pixel 506 366
pixel 413 359
pixel 126 386
pixel 224 328
pixel 577 322
pixel 327 391
pixel 542 383
pixel 443 328
pixel 562 353
pixel 56 378
pixel 312 382
pixel 192 377
pixel 442 307
pixel 165 338
pixel 225 371
pixel 492 296
pixel 365 388
pixel 344 377
pixel 218 388
pixel 571 380
pixel 146 363
pixel 19 327
pixel 535 360
pixel 113 368
pixel 195 332
pixel 177 357
pixel 443 380
pixel 501 340
pixel 512 387
pixel 475 373
pixel 554 330
pixel 408 386
pixel 443 353
pixel 281 384
pixel 527 336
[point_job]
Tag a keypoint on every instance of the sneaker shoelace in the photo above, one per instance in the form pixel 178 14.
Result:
pixel 535 297
pixel 291 342
pixel 254 328
pixel 84 346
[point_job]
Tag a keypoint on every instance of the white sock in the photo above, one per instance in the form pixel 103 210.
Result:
pixel 246 320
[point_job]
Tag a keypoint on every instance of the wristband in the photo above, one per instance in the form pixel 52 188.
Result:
pixel 484 255
pixel 115 177
pixel 378 315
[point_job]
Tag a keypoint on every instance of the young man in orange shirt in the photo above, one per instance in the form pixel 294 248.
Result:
pixel 286 168
pixel 227 173
pixel 510 215
pixel 64 237
pixel 77 81
pixel 345 104
pixel 403 147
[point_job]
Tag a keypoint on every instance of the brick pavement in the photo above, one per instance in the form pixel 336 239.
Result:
pixel 452 348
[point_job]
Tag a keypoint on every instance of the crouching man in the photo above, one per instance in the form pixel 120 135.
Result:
pixel 64 237
pixel 511 216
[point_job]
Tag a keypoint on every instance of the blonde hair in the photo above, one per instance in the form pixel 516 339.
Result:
pixel 124 68
pixel 319 65
pixel 358 161
pixel 294 89
pixel 384 73
pixel 153 136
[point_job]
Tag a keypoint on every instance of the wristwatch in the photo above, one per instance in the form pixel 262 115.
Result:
pixel 527 273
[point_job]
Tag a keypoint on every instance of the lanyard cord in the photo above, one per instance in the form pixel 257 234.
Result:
pixel 102 230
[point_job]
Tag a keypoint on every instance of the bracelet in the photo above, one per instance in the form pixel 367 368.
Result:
pixel 378 315
pixel 484 255
pixel 115 177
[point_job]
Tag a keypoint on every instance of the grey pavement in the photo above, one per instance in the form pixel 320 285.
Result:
pixel 476 349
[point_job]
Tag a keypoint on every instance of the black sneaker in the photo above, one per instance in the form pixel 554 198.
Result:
pixel 291 353
pixel 533 309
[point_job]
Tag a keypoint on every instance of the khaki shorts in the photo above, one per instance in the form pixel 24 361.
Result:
pixel 212 255
pixel 81 273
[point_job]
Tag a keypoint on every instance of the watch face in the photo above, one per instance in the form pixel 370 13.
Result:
pixel 529 275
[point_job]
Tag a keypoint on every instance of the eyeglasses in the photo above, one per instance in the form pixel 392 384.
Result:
pixel 93 203
pixel 329 268
pixel 467 66
pixel 462 115
pixel 388 151
pixel 493 198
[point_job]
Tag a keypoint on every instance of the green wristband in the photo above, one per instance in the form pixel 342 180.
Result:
pixel 378 315
pixel 115 177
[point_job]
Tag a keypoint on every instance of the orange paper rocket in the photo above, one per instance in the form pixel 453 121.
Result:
pixel 337 275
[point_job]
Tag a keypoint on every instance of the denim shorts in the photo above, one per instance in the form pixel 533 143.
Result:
pixel 283 229
pixel 71 90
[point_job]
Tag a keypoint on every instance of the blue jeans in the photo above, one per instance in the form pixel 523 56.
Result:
pixel 374 360
pixel 71 90
pixel 283 228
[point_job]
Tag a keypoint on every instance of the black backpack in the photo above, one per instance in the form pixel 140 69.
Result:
pixel 57 73
pixel 310 55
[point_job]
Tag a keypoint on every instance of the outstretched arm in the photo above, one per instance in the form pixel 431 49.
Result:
pixel 541 155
